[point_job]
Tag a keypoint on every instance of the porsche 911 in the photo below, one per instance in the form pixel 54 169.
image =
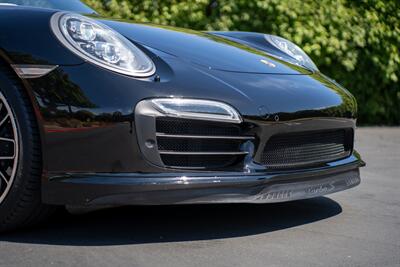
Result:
pixel 96 113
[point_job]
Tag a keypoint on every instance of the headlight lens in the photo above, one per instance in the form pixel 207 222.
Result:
pixel 197 109
pixel 291 50
pixel 101 45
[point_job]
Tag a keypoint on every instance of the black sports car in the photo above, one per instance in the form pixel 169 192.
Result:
pixel 96 113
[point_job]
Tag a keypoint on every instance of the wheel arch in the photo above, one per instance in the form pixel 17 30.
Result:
pixel 7 75
pixel 27 39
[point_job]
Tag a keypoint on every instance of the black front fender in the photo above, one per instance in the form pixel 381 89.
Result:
pixel 26 38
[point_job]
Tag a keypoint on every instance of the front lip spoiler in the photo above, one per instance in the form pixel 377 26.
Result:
pixel 179 188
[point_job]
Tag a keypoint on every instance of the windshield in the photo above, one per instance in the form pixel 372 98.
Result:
pixel 67 5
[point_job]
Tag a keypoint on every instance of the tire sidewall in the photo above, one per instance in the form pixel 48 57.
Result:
pixel 15 98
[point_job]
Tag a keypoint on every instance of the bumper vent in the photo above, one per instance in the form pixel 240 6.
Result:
pixel 190 127
pixel 195 144
pixel 305 149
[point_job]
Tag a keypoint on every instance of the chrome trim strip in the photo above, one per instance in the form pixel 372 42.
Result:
pixel 26 71
pixel 206 136
pixel 165 152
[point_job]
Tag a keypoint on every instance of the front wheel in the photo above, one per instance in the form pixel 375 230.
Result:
pixel 20 158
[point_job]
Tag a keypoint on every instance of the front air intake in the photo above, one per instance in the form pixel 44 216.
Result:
pixel 307 149
pixel 196 144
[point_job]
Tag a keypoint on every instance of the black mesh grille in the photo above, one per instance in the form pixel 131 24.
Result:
pixel 194 136
pixel 200 161
pixel 176 126
pixel 307 148
pixel 200 145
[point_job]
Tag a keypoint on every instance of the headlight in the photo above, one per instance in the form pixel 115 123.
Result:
pixel 197 109
pixel 291 50
pixel 100 45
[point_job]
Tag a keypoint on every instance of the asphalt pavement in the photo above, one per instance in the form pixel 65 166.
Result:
pixel 357 227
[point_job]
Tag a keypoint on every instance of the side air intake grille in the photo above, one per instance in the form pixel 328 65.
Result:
pixel 190 127
pixel 195 144
pixel 304 149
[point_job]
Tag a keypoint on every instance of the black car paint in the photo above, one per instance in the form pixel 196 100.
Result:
pixel 118 102
pixel 86 113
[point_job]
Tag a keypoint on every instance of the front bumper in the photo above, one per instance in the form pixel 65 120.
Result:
pixel 193 188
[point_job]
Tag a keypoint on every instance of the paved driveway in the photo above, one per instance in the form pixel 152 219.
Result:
pixel 359 227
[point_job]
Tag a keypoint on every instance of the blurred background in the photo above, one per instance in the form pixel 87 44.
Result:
pixel 356 43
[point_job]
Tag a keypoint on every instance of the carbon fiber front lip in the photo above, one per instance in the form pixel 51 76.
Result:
pixel 174 188
pixel 289 191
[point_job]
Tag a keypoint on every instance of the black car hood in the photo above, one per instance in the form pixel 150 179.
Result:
pixel 204 49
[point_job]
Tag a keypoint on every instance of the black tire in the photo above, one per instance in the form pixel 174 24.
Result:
pixel 22 206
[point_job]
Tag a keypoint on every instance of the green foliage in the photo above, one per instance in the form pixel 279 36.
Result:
pixel 355 42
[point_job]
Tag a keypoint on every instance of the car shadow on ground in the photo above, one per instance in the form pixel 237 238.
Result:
pixel 155 224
